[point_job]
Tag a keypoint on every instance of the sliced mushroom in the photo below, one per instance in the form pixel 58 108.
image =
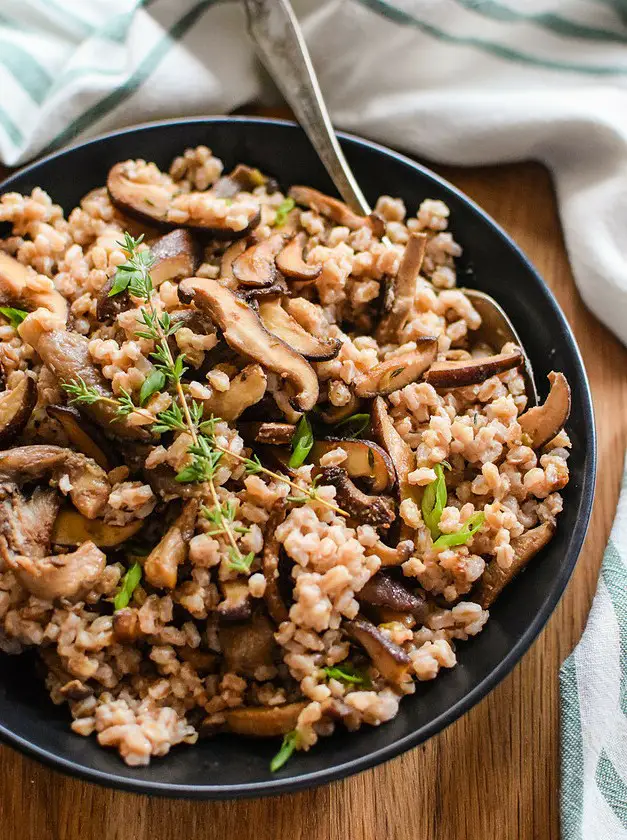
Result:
pixel 400 453
pixel 280 323
pixel 228 258
pixel 154 203
pixel 109 307
pixel 377 511
pixel 255 266
pixel 244 332
pixel 277 434
pixel 247 647
pixel 71 528
pixel 26 524
pixel 16 407
pixel 242 179
pixel 333 414
pixel 387 657
pixel 396 372
pixel 89 486
pixel 385 591
pixel 543 422
pixel 391 556
pixel 162 480
pixel 459 374
pixel 161 565
pixel 126 629
pixel 291 262
pixel 494 579
pixel 202 661
pixel 263 721
pixel 60 575
pixel 401 294
pixel 246 389
pixel 277 289
pixel 67 355
pixel 335 209
pixel 85 437
pixel 17 289
pixel 270 564
pixel 366 460
pixel 176 255
pixel 237 603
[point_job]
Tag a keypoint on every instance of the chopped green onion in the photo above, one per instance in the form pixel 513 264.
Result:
pixel 13 316
pixel 347 673
pixel 354 425
pixel 434 501
pixel 290 743
pixel 129 584
pixel 282 210
pixel 302 443
pixel 154 382
pixel 468 530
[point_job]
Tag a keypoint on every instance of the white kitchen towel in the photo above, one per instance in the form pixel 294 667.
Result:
pixel 458 81
pixel 593 689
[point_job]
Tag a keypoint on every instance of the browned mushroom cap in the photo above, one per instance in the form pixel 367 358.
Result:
pixel 244 332
pixel 71 528
pixel 15 289
pixel 366 460
pixel 255 266
pixel 246 389
pixel 176 255
pixel 89 486
pixel 83 435
pixel 270 564
pixel 494 579
pixel 152 203
pixel 248 646
pixel 334 209
pixel 16 407
pixel 109 307
pixel 126 629
pixel 161 565
pixel 263 721
pixel 377 511
pixel 67 355
pixel 387 657
pixel 399 300
pixel 400 453
pixel 385 591
pixel 237 602
pixel 277 434
pixel 242 179
pixel 291 262
pixel 26 525
pixel 280 323
pixel 390 556
pixel 228 258
pixel 332 414
pixel 543 422
pixel 396 372
pixel 277 289
pixel 60 575
pixel 459 374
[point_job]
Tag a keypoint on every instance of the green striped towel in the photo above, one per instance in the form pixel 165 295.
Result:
pixel 459 81
pixel 593 686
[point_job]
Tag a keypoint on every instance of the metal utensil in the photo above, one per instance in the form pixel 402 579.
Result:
pixel 281 48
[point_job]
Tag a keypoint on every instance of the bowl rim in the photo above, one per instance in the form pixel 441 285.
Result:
pixel 496 675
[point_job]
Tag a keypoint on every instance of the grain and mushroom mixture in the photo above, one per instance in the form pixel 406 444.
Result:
pixel 257 475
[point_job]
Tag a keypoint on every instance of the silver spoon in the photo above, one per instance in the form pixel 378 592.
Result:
pixel 281 48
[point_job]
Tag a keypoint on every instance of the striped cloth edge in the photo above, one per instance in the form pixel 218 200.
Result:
pixel 593 689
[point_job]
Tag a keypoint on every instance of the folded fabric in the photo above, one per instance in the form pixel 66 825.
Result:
pixel 593 687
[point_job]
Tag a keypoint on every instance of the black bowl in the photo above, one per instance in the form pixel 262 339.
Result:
pixel 234 767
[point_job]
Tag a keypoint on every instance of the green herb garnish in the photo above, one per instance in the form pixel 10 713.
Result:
pixel 282 210
pixel 354 425
pixel 130 581
pixel 155 381
pixel 434 502
pixel 468 529
pixel 290 743
pixel 134 274
pixel 13 316
pixel 302 443
pixel 347 673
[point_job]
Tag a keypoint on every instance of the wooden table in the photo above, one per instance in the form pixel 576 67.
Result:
pixel 494 774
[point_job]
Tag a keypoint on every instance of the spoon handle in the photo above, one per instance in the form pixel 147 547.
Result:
pixel 282 50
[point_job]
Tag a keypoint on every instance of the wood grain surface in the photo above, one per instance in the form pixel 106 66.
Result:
pixel 494 774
